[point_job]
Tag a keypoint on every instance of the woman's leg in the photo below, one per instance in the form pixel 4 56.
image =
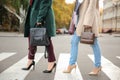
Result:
pixel 32 50
pixel 97 53
pixel 73 54
pixel 31 56
pixel 97 59
pixel 50 50
pixel 74 49
pixel 51 58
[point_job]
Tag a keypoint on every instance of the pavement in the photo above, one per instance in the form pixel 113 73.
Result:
pixel 11 34
pixel 17 34
pixel 13 56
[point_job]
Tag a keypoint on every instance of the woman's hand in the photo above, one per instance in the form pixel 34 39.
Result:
pixel 87 27
pixel 38 24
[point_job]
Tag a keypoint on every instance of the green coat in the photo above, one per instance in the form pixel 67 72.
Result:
pixel 40 11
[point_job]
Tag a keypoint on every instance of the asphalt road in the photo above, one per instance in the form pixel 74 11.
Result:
pixel 16 43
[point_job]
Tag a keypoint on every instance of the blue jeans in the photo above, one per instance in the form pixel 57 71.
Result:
pixel 74 51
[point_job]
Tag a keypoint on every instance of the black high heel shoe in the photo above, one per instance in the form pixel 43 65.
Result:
pixel 32 64
pixel 49 71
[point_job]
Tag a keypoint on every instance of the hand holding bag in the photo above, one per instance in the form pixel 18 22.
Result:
pixel 87 37
pixel 38 37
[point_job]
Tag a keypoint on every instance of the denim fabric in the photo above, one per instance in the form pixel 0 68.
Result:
pixel 74 51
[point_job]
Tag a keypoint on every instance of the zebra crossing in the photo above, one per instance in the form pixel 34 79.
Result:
pixel 14 72
pixel 118 57
pixel 5 55
pixel 109 68
pixel 64 60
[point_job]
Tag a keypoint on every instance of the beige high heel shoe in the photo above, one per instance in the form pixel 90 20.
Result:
pixel 70 68
pixel 95 71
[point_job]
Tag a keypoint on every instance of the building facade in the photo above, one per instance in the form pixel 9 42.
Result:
pixel 111 15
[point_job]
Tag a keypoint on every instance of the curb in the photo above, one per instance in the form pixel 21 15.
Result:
pixel 11 34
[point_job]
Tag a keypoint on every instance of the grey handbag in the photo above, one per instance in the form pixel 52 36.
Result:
pixel 38 37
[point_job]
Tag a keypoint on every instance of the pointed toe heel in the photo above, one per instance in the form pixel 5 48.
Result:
pixel 95 71
pixel 49 71
pixel 70 68
pixel 32 64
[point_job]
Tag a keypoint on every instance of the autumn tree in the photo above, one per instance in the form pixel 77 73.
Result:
pixel 15 4
pixel 63 13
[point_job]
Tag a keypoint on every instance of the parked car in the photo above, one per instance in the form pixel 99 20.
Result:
pixel 62 31
pixel 58 31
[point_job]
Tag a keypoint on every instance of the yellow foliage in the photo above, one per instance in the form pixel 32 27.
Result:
pixel 63 13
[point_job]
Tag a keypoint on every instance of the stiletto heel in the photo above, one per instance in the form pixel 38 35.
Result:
pixel 70 68
pixel 75 69
pixel 95 71
pixel 34 67
pixel 32 64
pixel 55 69
pixel 49 71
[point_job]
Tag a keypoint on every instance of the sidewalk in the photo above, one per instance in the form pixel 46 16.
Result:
pixel 11 34
pixel 17 34
pixel 109 34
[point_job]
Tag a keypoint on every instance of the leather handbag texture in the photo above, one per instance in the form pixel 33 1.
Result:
pixel 87 37
pixel 72 24
pixel 38 37
pixel 71 28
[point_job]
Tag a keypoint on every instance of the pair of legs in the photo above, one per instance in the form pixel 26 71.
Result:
pixel 50 51
pixel 74 52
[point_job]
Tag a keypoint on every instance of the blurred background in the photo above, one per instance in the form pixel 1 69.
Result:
pixel 13 14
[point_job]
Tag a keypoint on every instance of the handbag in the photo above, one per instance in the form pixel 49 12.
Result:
pixel 72 24
pixel 71 28
pixel 38 37
pixel 87 37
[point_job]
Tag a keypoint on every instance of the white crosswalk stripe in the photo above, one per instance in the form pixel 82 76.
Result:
pixel 15 72
pixel 5 55
pixel 112 71
pixel 118 57
pixel 62 64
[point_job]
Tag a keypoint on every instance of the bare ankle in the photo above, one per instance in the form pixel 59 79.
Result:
pixel 29 62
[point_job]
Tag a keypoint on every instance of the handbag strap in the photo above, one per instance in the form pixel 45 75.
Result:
pixel 38 26
pixel 88 29
pixel 45 53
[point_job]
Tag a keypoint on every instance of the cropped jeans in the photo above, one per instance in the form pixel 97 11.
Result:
pixel 74 51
